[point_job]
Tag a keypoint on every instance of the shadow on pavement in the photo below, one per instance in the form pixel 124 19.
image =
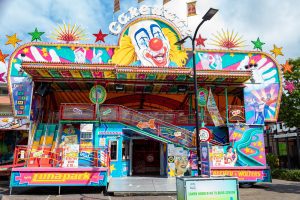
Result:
pixel 280 188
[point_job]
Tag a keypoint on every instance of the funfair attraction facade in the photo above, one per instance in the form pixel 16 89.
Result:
pixel 103 111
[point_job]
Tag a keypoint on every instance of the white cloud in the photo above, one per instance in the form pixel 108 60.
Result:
pixel 274 21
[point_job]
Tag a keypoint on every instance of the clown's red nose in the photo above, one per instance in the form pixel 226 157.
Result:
pixel 155 44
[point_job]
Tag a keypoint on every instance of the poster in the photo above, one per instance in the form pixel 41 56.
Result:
pixel 178 161
pixel 223 156
pixel 212 189
pixel 71 152
pixel 205 163
pixel 213 110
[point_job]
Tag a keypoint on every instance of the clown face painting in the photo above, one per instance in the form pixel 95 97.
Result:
pixel 146 43
pixel 151 45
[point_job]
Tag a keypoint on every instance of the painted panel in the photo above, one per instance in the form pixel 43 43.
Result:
pixel 151 43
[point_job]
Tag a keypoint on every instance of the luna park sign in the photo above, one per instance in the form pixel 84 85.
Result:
pixel 116 27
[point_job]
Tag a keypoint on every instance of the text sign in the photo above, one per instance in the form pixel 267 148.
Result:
pixel 217 189
pixel 58 178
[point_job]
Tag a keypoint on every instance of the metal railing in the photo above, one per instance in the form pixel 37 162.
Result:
pixel 43 156
pixel 148 123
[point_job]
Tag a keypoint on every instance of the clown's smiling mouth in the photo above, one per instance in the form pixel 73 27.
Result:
pixel 159 58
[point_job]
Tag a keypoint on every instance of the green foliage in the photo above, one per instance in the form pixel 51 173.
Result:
pixel 290 103
pixel 285 174
pixel 273 161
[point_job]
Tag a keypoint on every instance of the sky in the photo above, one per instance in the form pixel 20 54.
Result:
pixel 273 21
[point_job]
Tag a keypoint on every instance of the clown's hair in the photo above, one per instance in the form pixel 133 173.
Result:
pixel 125 54
pixel 177 56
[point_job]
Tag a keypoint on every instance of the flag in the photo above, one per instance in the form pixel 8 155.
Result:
pixel 166 1
pixel 191 9
pixel 139 1
pixel 116 5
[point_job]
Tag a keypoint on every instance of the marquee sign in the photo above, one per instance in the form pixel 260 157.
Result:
pixel 147 11
pixel 58 177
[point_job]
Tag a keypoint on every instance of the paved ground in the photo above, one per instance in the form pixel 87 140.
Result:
pixel 276 191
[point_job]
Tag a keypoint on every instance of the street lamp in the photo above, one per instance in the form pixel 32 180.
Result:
pixel 208 15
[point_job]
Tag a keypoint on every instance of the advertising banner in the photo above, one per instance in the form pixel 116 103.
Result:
pixel 246 174
pixel 213 110
pixel 205 164
pixel 58 178
pixel 71 155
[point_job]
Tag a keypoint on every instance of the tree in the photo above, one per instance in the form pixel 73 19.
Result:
pixel 290 102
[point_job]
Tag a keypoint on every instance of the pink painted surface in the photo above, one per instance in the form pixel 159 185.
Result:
pixel 52 169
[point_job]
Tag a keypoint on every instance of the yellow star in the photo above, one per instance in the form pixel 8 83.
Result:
pixel 171 173
pixel 262 149
pixel 44 50
pixel 252 61
pixel 112 168
pixel 45 54
pixel 250 55
pixel 235 135
pixel 231 54
pixel 277 51
pixel 14 60
pixel 25 50
pixel 260 156
pixel 86 48
pixel 254 143
pixel 259 143
pixel 13 40
pixel 287 67
pixel 247 150
pixel 73 48
pixel 58 47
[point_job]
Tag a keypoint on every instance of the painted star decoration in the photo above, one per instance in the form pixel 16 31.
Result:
pixel 2 78
pixel 100 36
pixel 289 86
pixel 36 35
pixel 287 67
pixel 200 41
pixel 277 51
pixel 258 44
pixel 2 57
pixel 13 40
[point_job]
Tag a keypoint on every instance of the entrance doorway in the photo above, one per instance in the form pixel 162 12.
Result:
pixel 146 157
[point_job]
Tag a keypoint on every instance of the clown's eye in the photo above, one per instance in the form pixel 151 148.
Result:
pixel 144 41
pixel 158 34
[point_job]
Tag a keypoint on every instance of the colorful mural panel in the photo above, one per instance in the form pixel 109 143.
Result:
pixel 246 146
pixel 146 42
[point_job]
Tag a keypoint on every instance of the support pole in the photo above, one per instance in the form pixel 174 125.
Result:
pixel 58 190
pixel 226 98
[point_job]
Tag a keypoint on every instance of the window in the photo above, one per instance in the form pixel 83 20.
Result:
pixel 113 150
pixel 3 91
pixel 86 136
pixel 125 150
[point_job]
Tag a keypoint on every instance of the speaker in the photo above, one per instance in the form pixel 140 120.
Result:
pixel 43 89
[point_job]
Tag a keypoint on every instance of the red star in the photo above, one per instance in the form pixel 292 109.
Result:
pixel 2 77
pixel 100 36
pixel 2 57
pixel 200 41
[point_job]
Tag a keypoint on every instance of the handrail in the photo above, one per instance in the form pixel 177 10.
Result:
pixel 143 121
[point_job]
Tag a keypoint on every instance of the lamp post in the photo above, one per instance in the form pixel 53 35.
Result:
pixel 208 15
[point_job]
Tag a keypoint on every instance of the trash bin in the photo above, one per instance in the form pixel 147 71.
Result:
pixel 215 187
